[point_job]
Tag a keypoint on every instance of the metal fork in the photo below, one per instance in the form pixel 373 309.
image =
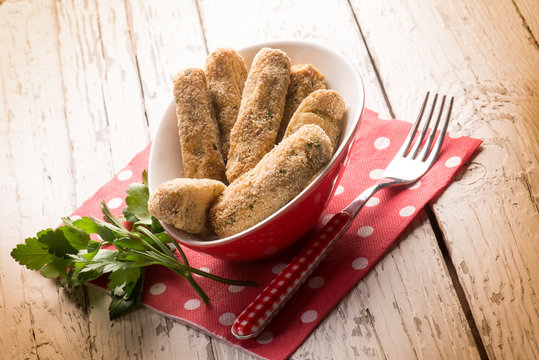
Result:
pixel 411 162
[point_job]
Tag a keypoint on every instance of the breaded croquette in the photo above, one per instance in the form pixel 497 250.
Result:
pixel 281 175
pixel 198 129
pixel 324 108
pixel 304 79
pixel 225 73
pixel 184 203
pixel 261 110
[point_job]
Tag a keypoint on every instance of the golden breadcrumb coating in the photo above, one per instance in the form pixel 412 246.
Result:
pixel 261 110
pixel 198 129
pixel 184 203
pixel 324 108
pixel 281 175
pixel 226 74
pixel 304 79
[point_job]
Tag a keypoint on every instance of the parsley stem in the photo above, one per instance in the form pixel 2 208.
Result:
pixel 182 254
pixel 201 293
pixel 158 258
pixel 200 272
pixel 222 279
pixel 110 216
pixel 148 233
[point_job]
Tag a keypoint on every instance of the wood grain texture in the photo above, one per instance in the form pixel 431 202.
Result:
pixel 528 10
pixel 490 215
pixel 35 312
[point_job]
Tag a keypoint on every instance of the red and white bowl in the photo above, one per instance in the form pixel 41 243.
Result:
pixel 277 232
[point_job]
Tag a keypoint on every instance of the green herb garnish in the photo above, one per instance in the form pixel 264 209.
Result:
pixel 69 253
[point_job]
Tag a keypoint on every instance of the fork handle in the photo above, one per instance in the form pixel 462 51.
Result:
pixel 268 303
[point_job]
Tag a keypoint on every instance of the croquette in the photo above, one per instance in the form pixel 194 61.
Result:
pixel 324 108
pixel 281 175
pixel 226 74
pixel 260 113
pixel 184 203
pixel 199 133
pixel 304 79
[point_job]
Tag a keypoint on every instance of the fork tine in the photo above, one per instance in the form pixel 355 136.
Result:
pixel 408 141
pixel 438 145
pixel 425 150
pixel 424 128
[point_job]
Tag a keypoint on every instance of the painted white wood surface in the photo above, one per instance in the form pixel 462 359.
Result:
pixel 82 89
pixel 489 218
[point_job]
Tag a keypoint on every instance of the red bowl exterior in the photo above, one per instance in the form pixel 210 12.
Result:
pixel 273 237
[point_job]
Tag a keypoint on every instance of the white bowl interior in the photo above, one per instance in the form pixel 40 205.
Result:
pixel 165 155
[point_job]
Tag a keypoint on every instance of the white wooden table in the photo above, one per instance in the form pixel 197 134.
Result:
pixel 83 86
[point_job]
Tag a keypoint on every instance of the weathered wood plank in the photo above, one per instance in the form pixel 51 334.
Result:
pixel 39 320
pixel 528 10
pixel 375 320
pixel 124 90
pixel 166 37
pixel 489 216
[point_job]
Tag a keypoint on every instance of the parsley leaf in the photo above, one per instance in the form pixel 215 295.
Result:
pixel 76 237
pixel 121 305
pixel 32 254
pixel 137 202
pixel 56 242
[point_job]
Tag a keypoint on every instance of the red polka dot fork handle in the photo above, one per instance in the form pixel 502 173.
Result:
pixel 268 303
pixel 408 165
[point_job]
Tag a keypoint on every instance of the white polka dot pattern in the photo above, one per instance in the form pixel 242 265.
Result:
pixel 227 319
pixel 124 175
pixel 264 338
pixel 453 161
pixel 407 211
pixel 376 174
pixel 365 231
pixel 309 316
pixel 235 288
pixel 157 288
pixel 115 203
pixel 414 185
pixel 381 143
pixel 360 263
pixel 191 304
pixel 373 201
pixel 316 282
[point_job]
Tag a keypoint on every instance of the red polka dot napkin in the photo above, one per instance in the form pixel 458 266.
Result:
pixel 373 232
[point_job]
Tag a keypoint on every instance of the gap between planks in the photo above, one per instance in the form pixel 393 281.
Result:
pixel 461 296
pixel 430 214
pixel 371 58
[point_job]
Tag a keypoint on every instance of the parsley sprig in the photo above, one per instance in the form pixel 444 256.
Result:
pixel 125 248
